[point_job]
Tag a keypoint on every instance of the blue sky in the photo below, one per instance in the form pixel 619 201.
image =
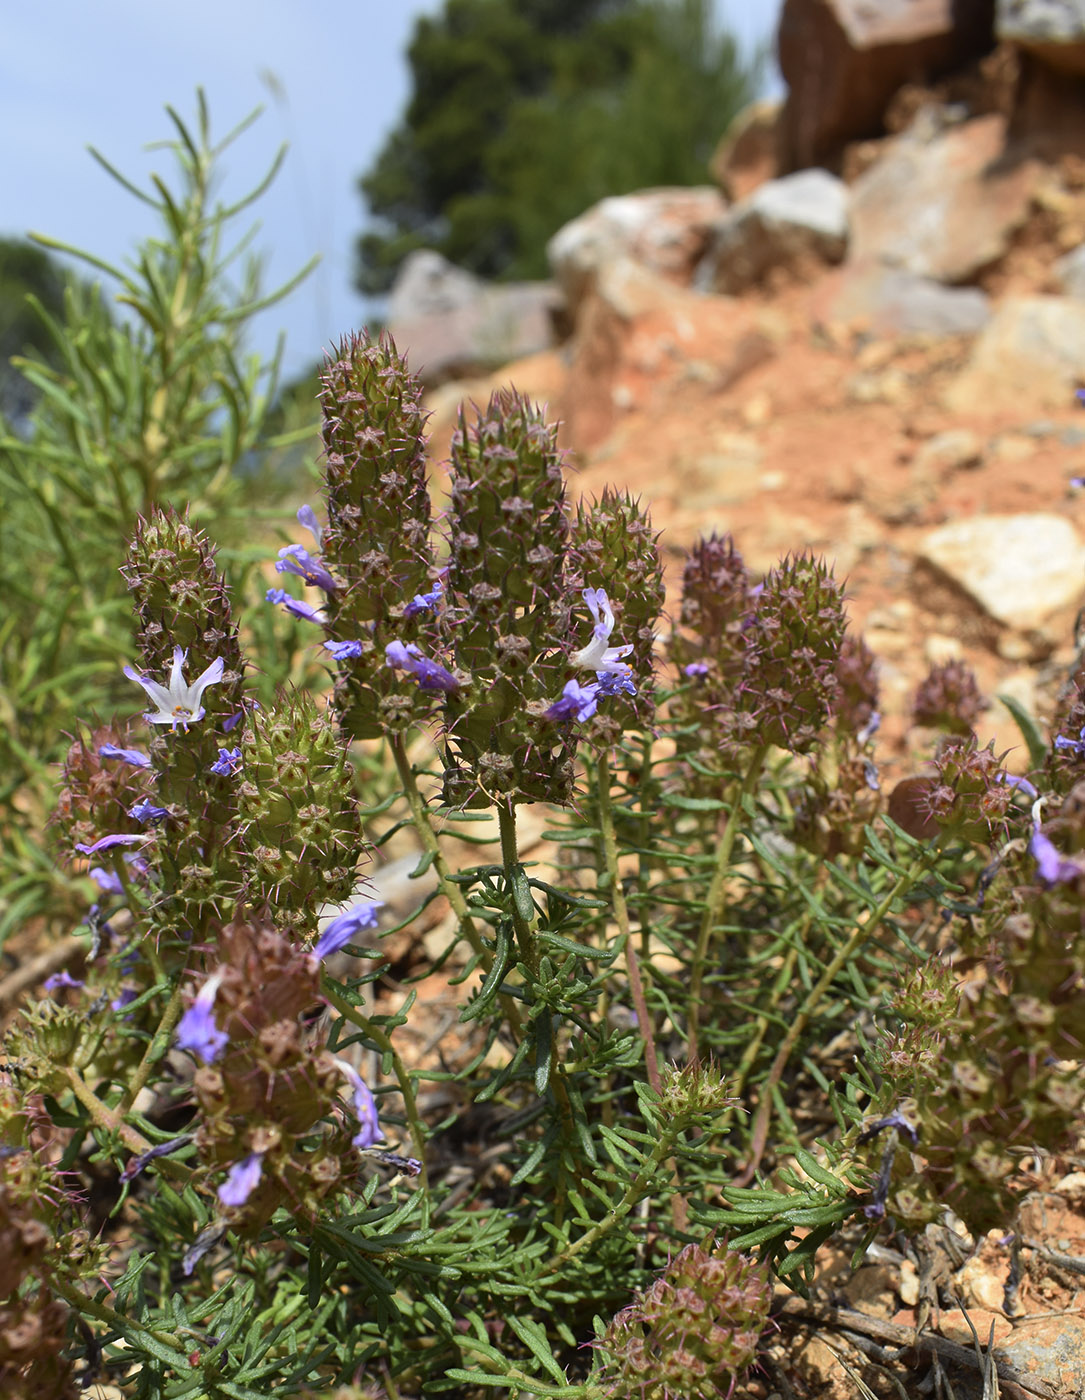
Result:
pixel 75 75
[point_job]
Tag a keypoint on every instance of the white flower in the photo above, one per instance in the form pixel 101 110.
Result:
pixel 597 656
pixel 180 704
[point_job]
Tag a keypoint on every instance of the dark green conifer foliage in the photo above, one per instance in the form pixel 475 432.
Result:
pixel 525 112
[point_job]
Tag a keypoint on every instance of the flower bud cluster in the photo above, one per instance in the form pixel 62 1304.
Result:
pixel 694 1332
pixel 33 1321
pixel 267 1084
pixel 615 547
pixel 377 540
pixel 298 815
pixel 949 698
pixel 984 1054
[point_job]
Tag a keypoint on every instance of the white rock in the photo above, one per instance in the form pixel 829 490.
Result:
pixel 1020 569
pixel 1070 273
pixel 1031 353
pixel 783 221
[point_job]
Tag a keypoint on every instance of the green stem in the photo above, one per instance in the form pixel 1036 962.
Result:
pixel 160 1043
pixel 621 918
pixel 451 891
pixel 102 1312
pixel 380 1038
pixel 529 954
pixel 716 891
pixel 633 1193
pixel 862 935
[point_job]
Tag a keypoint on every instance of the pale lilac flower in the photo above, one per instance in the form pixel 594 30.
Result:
pixel 106 880
pixel 179 704
pixel 616 683
pixel 294 606
pixel 1077 745
pixel 424 602
pixel 227 763
pixel 307 518
pixel 873 724
pixel 145 811
pixel 343 928
pixel 344 651
pixel 104 843
pixel 870 776
pixel 296 559
pixel 577 702
pixel 430 675
pixel 242 1180
pixel 365 1106
pixel 61 979
pixel 1077 481
pixel 1052 868
pixel 695 670
pixel 597 655
pixel 197 1031
pixel 132 756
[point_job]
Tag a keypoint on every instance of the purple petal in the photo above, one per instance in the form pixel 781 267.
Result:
pixel 242 1180
pixel 294 606
pixel 61 979
pixel 578 702
pixel 197 1031
pixel 1052 867
pixel 344 651
pixel 132 756
pixel 146 811
pixel 137 1164
pixel 107 881
pixel 296 559
pixel 105 842
pixel 343 928
pixel 227 763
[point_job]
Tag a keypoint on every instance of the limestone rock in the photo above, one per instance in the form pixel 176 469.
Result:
pixel 664 230
pixel 941 206
pixel 1052 30
pixel 453 323
pixel 749 152
pixel 891 302
pixel 1070 273
pixel 1021 570
pixel 843 60
pixel 1050 1349
pixel 1031 351
pixel 783 223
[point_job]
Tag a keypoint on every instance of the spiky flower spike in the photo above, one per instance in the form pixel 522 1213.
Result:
pixel 98 791
pixel 377 536
pixel 273 1111
pixel 297 811
pixel 948 698
pixel 614 547
pixel 191 663
pixel 693 1334
pixel 789 690
pixel 716 601
pixel 508 606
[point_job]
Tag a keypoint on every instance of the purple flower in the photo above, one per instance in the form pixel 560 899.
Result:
pixel 105 842
pixel 137 1164
pixel 307 518
pixel 344 651
pixel 228 762
pixel 577 702
pixel 232 721
pixel 61 979
pixel 1020 784
pixel 343 928
pixel 296 559
pixel 1052 868
pixel 873 724
pixel 294 606
pixel 424 602
pixel 197 1031
pixel 430 675
pixel 870 776
pixel 365 1106
pixel 616 683
pixel 1076 745
pixel 897 1120
pixel 1077 481
pixel 242 1180
pixel 145 811
pixel 597 656
pixel 106 880
pixel 132 756
pixel 124 998
pixel 695 670
pixel 179 704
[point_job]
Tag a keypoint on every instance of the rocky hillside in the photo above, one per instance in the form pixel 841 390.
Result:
pixel 876 357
